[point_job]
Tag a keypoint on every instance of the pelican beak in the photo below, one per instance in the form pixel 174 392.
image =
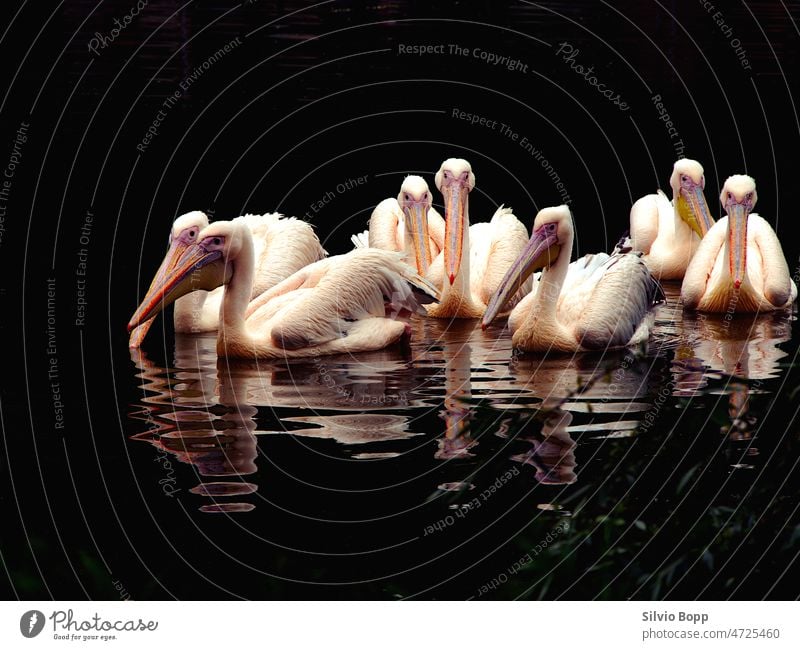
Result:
pixel 455 196
pixel 737 241
pixel 541 251
pixel 416 214
pixel 195 269
pixel 693 209
pixel 177 247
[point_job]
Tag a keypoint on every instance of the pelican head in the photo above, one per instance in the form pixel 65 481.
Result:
pixel 738 197
pixel 183 234
pixel 552 230
pixel 415 200
pixel 688 182
pixel 455 181
pixel 205 264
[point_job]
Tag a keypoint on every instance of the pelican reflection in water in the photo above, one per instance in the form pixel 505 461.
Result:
pixel 740 353
pixel 552 452
pixel 191 420
pixel 717 347
pixel 457 439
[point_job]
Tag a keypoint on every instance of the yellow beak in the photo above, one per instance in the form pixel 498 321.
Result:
pixel 693 209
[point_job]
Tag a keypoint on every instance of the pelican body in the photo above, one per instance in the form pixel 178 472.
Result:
pixel 601 302
pixel 281 247
pixel 474 259
pixel 740 265
pixel 669 232
pixel 333 306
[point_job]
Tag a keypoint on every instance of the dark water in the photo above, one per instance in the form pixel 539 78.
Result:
pixel 448 470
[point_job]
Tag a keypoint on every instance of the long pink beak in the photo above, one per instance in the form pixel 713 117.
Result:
pixel 177 280
pixel 455 196
pixel 737 242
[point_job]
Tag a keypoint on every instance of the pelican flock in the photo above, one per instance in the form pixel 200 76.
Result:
pixel 465 261
pixel 265 284
pixel 336 305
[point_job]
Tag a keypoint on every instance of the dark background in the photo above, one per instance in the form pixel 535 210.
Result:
pixel 314 96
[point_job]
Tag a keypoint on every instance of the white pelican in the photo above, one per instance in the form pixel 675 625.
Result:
pixel 474 259
pixel 740 266
pixel 282 246
pixel 336 305
pixel 669 232
pixel 603 304
pixel 408 223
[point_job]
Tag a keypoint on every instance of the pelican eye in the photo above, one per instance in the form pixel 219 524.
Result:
pixel 406 197
pixel 212 241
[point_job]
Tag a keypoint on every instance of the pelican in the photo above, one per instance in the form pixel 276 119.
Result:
pixel 288 243
pixel 408 223
pixel 604 304
pixel 336 305
pixel 473 261
pixel 669 232
pixel 740 266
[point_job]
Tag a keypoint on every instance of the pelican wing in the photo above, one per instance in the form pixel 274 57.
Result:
pixel 621 293
pixel 283 247
pixel 356 286
pixel 703 264
pixel 572 299
pixel 306 278
pixel 778 287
